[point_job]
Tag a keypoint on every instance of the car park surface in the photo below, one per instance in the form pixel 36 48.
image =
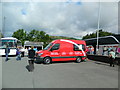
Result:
pixel 89 74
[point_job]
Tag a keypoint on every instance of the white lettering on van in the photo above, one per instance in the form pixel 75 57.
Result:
pixel 71 53
pixel 76 53
pixel 54 53
pixel 63 53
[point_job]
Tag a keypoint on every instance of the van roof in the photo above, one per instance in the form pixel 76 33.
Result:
pixel 70 41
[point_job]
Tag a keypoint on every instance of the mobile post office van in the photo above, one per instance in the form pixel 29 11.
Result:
pixel 62 50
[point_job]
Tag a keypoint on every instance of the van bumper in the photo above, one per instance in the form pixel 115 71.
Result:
pixel 84 57
pixel 39 59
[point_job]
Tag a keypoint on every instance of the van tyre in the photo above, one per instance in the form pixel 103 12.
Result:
pixel 78 59
pixel 47 60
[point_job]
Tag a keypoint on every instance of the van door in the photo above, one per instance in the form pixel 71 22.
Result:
pixel 66 52
pixel 55 52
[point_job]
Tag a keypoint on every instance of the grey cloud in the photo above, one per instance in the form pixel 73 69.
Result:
pixel 60 18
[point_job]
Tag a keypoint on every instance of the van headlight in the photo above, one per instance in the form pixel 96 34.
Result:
pixel 40 54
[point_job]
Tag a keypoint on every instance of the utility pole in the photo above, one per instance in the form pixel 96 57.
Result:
pixel 3 27
pixel 98 27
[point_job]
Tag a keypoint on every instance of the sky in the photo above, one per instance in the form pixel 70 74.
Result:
pixel 66 18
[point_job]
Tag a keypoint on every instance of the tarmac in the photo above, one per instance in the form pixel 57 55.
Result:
pixel 89 74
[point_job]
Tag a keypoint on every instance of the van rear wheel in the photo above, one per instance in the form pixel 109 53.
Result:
pixel 78 59
pixel 47 60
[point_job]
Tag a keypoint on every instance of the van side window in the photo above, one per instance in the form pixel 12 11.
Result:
pixel 56 47
pixel 83 47
pixel 76 48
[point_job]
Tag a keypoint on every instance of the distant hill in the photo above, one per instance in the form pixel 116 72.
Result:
pixel 61 37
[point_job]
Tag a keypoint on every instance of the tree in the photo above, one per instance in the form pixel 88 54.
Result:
pixel 104 33
pixel 101 34
pixel 38 36
pixel 31 36
pixel 20 35
pixel 1 35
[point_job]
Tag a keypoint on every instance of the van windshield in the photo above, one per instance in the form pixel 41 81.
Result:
pixel 48 46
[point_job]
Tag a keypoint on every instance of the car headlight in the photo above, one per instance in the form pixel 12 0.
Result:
pixel 40 54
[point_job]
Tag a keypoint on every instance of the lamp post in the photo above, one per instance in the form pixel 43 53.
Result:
pixel 98 27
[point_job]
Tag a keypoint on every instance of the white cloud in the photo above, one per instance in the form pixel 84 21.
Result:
pixel 55 18
pixel 60 0
pixel 0 17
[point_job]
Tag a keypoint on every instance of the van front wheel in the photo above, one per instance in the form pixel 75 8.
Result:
pixel 78 59
pixel 47 60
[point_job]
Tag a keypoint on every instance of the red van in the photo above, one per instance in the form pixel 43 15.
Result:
pixel 63 50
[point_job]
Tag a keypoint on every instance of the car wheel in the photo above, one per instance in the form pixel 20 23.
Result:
pixel 47 60
pixel 78 59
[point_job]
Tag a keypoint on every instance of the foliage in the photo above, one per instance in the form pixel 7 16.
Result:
pixel 41 36
pixel 33 35
pixel 94 35
pixel 1 35
pixel 36 36
pixel 20 35
pixel 61 37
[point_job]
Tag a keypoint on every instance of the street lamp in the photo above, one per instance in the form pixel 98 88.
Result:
pixel 98 28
